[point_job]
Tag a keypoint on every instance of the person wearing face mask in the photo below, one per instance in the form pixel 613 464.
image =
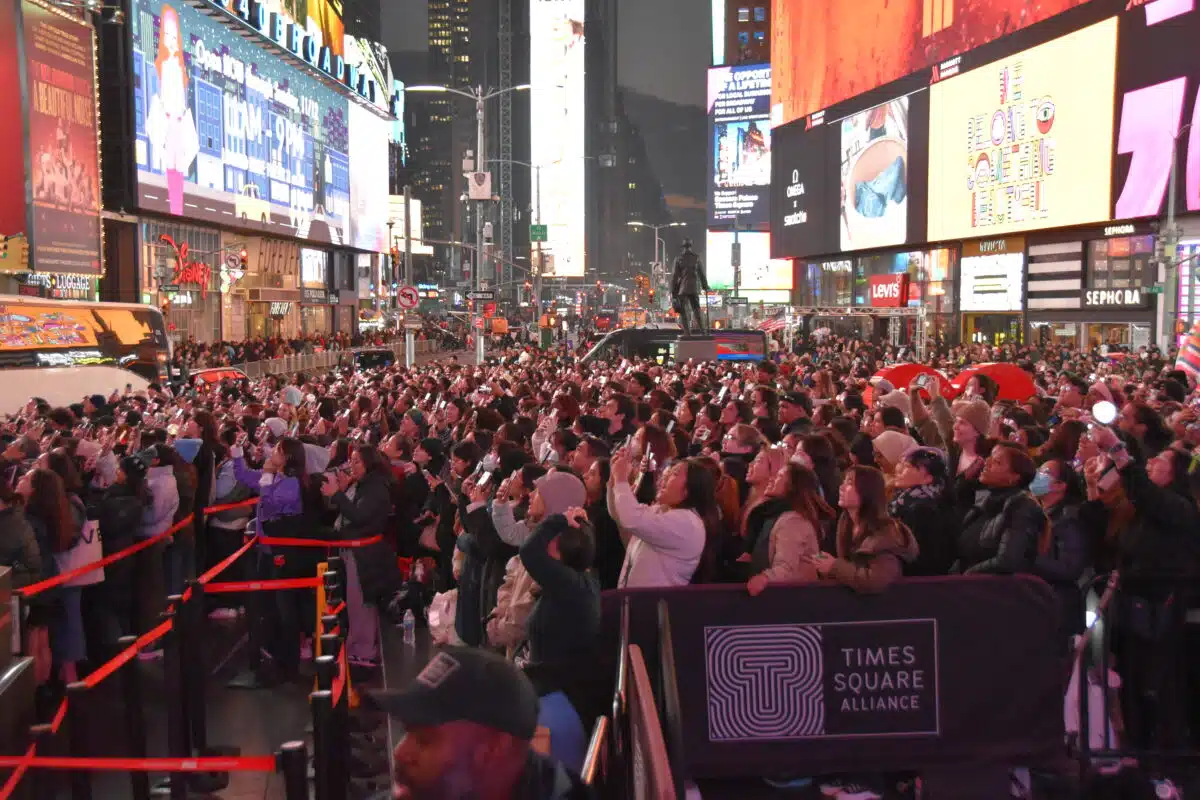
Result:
pixel 1006 530
pixel 1059 490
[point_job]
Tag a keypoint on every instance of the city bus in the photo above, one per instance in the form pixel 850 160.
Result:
pixel 63 350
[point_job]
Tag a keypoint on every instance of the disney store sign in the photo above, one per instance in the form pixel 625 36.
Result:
pixel 187 271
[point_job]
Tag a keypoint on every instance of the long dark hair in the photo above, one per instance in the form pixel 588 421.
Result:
pixel 820 452
pixel 61 463
pixel 871 487
pixel 48 502
pixel 207 424
pixel 804 495
pixel 700 495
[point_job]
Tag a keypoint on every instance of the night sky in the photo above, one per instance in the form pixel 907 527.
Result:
pixel 665 45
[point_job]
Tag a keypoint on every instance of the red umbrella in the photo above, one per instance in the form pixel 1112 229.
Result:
pixel 1014 382
pixel 901 376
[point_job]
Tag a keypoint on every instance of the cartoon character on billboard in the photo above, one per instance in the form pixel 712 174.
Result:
pixel 170 125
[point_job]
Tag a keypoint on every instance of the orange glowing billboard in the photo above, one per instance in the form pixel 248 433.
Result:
pixel 827 51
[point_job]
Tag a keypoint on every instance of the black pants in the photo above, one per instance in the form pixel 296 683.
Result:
pixel 689 314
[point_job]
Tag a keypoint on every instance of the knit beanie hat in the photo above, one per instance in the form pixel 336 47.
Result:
pixel 976 412
pixel 560 491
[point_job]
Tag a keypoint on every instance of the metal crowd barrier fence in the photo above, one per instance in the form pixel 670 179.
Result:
pixel 191 762
pixel 1132 670
pixel 325 360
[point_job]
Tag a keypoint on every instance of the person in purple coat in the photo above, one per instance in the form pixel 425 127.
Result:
pixel 280 487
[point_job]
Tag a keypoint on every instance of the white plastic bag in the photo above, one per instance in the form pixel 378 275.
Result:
pixel 441 618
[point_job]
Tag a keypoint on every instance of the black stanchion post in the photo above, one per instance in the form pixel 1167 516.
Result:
pixel 177 732
pixel 322 711
pixel 81 780
pixel 251 678
pixel 293 763
pixel 326 669
pixel 135 722
pixel 191 617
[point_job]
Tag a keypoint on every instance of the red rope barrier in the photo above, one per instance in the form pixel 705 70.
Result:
pixel 262 586
pixel 241 764
pixel 217 569
pixel 231 506
pixel 35 589
pixel 125 656
pixel 18 773
pixel 333 612
pixel 60 716
pixel 347 543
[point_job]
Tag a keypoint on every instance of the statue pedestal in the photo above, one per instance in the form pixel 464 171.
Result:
pixel 698 348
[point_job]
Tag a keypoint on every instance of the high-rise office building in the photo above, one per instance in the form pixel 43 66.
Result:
pixel 362 18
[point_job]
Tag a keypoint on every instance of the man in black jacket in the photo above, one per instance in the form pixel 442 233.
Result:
pixel 469 722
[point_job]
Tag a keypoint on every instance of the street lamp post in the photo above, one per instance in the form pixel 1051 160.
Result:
pixel 539 267
pixel 658 242
pixel 480 98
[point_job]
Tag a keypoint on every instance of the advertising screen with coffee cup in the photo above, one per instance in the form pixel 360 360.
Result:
pixel 881 148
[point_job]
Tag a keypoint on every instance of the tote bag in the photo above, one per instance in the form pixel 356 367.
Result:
pixel 87 550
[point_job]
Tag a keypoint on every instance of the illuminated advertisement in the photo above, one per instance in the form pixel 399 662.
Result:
pixel 827 51
pixel 874 177
pixel 759 271
pixel 991 281
pixel 1156 99
pixel 801 172
pixel 1024 143
pixel 229 133
pixel 557 115
pixel 739 144
pixel 64 156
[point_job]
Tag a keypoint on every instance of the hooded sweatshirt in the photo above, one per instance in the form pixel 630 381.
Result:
pixel 159 514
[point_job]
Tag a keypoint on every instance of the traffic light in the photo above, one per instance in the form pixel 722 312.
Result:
pixel 244 258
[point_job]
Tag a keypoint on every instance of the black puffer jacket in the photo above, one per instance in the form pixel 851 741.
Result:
pixel 365 516
pixel 1000 534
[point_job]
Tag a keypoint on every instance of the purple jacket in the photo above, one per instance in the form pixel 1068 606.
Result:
pixel 279 499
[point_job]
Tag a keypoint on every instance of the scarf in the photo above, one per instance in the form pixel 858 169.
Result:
pixel 907 499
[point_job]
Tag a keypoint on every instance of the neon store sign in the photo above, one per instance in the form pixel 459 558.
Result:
pixel 186 271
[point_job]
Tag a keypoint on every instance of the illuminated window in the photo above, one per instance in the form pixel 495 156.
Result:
pixel 760 37
pixel 938 15
pixel 743 15
pixel 760 14
pixel 744 38
pixel 632 185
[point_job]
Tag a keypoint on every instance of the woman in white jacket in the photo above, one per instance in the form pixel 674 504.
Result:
pixel 666 542
pixel 158 517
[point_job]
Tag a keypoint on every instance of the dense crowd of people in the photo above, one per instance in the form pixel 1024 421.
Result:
pixel 520 489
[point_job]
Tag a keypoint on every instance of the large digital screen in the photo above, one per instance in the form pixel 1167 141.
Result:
pixel 801 171
pixel 759 271
pixel 739 143
pixel 1156 97
pixel 228 132
pixel 874 177
pixel 992 282
pixel 1024 143
pixel 827 51
pixel 64 158
pixel 557 127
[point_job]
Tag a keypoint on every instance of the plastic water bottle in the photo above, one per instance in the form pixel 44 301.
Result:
pixel 410 627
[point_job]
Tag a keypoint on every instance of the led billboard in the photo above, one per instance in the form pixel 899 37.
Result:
pixel 557 128
pixel 827 51
pixel 759 271
pixel 228 132
pixel 63 137
pixel 874 176
pixel 1024 143
pixel 739 143
pixel 1156 99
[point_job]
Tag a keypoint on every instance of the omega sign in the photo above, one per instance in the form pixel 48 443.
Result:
pixel 1113 298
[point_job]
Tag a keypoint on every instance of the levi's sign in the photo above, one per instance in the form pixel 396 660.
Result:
pixel 889 291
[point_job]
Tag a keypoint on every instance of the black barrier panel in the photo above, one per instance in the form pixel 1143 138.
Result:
pixel 934 673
